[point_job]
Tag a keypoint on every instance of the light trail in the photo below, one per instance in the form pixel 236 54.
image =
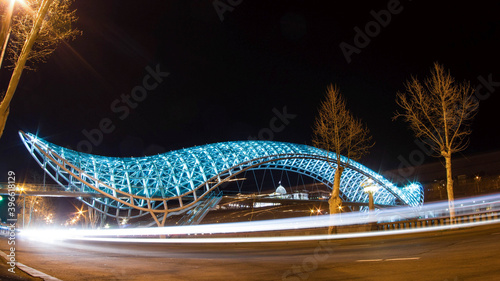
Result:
pixel 277 238
pixel 439 209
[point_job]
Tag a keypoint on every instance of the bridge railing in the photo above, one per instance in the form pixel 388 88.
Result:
pixel 439 221
pixel 37 187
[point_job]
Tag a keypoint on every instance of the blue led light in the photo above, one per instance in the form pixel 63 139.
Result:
pixel 147 184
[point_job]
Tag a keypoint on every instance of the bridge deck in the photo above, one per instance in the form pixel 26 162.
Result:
pixel 53 193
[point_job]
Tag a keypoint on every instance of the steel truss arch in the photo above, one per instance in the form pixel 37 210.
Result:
pixel 149 185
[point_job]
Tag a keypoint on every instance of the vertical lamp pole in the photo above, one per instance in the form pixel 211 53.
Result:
pixel 5 31
pixel 370 187
pixel 24 208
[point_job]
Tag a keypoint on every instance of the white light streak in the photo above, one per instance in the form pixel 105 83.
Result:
pixel 137 235
pixel 279 238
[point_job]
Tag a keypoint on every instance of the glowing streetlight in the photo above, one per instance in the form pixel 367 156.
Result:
pixel 477 179
pixel 22 192
pixel 80 213
pixel 48 219
pixel 5 31
pixel 370 187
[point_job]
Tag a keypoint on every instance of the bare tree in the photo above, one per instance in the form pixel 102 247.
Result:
pixel 439 112
pixel 95 217
pixel 36 31
pixel 337 130
pixel 35 210
pixel 6 11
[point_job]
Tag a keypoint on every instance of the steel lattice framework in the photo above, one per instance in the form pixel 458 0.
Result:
pixel 133 187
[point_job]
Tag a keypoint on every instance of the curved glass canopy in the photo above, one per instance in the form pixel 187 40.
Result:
pixel 135 186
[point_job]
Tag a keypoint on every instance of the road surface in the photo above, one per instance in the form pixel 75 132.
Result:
pixel 463 254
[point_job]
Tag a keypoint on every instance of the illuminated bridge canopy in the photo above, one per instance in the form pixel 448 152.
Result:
pixel 186 176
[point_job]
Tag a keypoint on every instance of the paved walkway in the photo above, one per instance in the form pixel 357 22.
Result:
pixel 19 274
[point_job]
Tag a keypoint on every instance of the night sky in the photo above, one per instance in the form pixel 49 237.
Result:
pixel 226 76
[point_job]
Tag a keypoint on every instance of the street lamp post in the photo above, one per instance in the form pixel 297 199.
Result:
pixel 477 179
pixel 24 208
pixel 21 193
pixel 370 187
pixel 371 205
pixel 5 31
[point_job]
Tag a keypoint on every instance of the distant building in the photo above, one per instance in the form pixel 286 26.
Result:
pixel 280 190
pixel 280 193
pixel 472 175
pixel 304 195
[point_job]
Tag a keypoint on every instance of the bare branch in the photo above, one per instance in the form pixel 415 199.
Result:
pixel 36 31
pixel 56 28
pixel 337 130
pixel 439 111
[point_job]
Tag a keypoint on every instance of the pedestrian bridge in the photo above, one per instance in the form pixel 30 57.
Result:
pixel 174 182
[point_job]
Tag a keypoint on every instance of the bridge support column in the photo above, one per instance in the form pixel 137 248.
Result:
pixel 158 223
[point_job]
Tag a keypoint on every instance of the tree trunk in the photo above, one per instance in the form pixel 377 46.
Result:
pixel 449 187
pixel 3 119
pixel 21 62
pixel 334 202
